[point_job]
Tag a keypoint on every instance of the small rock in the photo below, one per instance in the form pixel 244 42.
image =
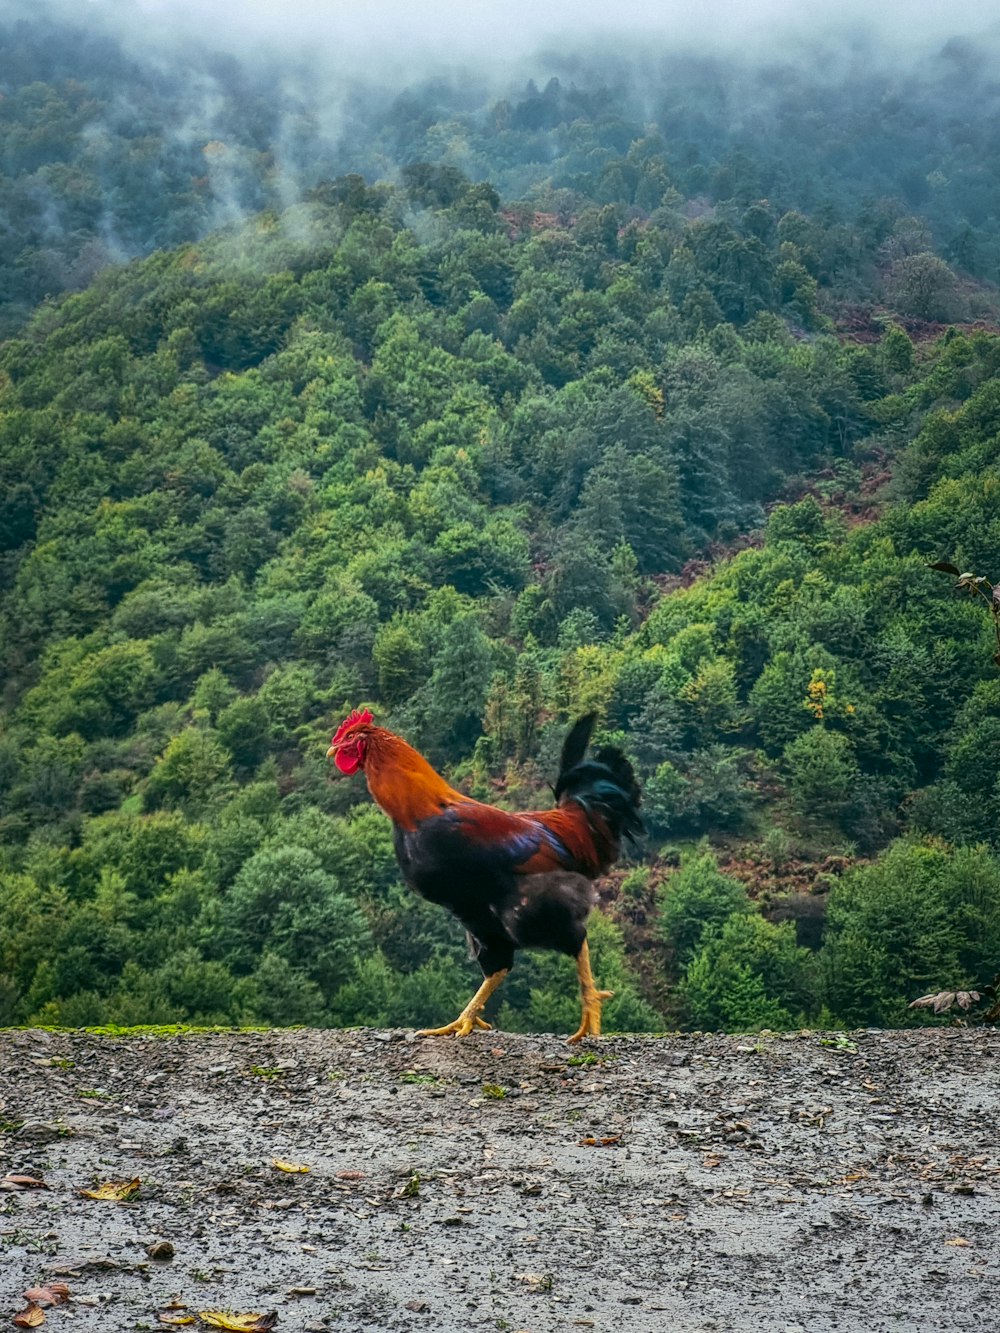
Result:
pixel 39 1131
pixel 418 1307
pixel 160 1250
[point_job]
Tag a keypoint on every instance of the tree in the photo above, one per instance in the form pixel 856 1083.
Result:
pixel 922 917
pixel 747 975
pixel 922 285
pixel 192 770
pixel 695 899
pixel 454 699
pixel 244 728
pixel 283 902
pixel 822 773
pixel 633 498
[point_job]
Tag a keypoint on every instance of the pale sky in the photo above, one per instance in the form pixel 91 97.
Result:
pixel 445 31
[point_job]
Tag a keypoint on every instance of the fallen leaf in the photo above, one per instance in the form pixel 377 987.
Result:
pixel 30 1317
pixel 13 1182
pixel 74 1267
pixel 350 1175
pixel 293 1168
pixel 713 1160
pixel 52 1294
pixel 239 1323
pixel 608 1142
pixel 176 1319
pixel 958 1240
pixel 118 1191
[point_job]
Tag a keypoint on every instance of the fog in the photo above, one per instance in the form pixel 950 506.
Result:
pixel 201 114
pixel 387 39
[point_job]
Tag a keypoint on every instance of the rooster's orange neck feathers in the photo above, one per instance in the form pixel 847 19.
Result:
pixel 402 782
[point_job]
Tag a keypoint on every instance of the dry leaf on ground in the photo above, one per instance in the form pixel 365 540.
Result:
pixel 293 1168
pixel 15 1182
pixel 30 1317
pixel 118 1191
pixel 239 1323
pixel 53 1293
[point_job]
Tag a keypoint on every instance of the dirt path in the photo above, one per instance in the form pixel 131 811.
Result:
pixel 781 1185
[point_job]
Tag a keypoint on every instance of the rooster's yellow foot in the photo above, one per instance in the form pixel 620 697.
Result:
pixel 590 1019
pixel 469 1017
pixel 461 1027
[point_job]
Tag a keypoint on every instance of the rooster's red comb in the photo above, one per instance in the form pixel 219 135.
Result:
pixel 360 717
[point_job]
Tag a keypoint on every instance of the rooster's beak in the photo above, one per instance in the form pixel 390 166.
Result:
pixel 332 751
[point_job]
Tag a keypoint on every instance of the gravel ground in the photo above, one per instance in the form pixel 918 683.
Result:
pixel 787 1184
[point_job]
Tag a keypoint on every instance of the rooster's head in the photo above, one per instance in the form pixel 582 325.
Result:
pixel 350 741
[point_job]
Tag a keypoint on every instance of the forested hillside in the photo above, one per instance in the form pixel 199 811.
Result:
pixel 112 147
pixel 656 430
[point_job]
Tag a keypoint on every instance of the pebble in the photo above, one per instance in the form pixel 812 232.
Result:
pixel 40 1131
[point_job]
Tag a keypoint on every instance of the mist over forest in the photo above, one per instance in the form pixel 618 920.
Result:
pixel 490 368
pixel 130 128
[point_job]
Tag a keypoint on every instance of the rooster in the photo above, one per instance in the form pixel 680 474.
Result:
pixel 513 880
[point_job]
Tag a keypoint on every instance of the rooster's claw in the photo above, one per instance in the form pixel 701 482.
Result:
pixel 461 1027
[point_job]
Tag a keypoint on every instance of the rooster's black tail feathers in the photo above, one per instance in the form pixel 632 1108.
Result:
pixel 574 748
pixel 605 782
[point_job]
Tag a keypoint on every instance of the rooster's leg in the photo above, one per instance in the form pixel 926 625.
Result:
pixel 469 1017
pixel 590 998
